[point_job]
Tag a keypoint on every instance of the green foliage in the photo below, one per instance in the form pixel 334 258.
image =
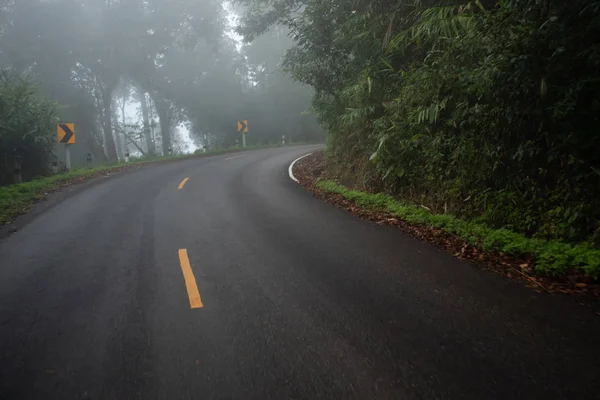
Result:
pixel 27 127
pixel 487 110
pixel 552 257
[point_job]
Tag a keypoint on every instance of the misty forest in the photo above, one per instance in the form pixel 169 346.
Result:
pixel 480 109
pixel 153 77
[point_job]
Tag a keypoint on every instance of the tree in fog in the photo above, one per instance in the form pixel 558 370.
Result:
pixel 176 58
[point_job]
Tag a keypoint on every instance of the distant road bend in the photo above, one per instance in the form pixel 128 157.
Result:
pixel 221 278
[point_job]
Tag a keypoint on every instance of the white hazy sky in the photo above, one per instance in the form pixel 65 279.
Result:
pixel 233 21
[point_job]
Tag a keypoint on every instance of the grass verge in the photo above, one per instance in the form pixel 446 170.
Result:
pixel 551 257
pixel 16 199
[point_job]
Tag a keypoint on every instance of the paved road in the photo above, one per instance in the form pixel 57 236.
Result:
pixel 300 300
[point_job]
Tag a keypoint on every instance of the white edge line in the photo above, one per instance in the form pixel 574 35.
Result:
pixel 231 158
pixel 291 168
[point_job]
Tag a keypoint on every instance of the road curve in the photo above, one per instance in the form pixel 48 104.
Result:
pixel 294 299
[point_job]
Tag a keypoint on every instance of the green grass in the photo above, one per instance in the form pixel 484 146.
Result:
pixel 551 257
pixel 15 199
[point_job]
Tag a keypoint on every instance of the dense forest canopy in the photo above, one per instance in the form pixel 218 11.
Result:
pixel 136 76
pixel 479 108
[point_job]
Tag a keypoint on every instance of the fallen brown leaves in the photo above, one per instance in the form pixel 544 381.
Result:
pixel 311 168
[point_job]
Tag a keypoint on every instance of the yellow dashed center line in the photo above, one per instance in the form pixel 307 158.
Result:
pixel 190 280
pixel 182 184
pixel 234 157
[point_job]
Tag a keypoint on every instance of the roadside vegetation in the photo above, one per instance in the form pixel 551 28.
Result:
pixel 27 127
pixel 484 112
pixel 551 257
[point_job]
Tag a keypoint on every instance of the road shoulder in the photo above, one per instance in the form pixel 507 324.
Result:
pixel 311 171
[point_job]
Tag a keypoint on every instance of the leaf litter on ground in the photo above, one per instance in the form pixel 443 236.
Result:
pixel 312 169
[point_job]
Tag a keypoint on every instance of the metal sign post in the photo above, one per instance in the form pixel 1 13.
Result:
pixel 67 157
pixel 243 129
pixel 66 135
pixel 54 163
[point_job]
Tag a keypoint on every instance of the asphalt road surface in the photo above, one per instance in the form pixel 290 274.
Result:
pixel 237 284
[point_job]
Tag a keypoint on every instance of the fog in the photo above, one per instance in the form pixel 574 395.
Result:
pixel 444 241
pixel 149 77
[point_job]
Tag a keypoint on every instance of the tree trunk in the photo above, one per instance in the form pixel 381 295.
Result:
pixel 165 131
pixel 125 137
pixel 111 151
pixel 97 151
pixel 164 119
pixel 137 146
pixel 150 146
pixel 117 133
